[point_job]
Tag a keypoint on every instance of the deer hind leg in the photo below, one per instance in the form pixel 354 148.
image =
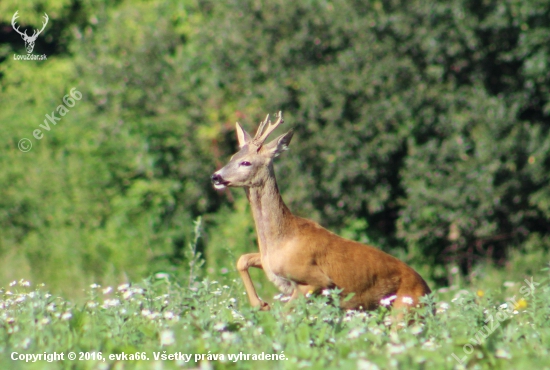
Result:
pixel 402 307
pixel 302 290
pixel 243 264
pixel 299 290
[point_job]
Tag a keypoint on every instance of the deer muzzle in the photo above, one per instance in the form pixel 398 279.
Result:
pixel 218 181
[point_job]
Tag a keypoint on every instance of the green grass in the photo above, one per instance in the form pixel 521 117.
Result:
pixel 204 317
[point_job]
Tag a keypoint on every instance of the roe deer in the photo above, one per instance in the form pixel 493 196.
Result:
pixel 298 255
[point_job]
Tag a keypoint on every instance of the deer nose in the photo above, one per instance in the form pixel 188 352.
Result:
pixel 216 179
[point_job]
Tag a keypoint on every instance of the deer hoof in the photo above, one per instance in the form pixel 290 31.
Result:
pixel 264 306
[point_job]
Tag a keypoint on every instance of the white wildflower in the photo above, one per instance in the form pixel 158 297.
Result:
pixel 110 303
pixel 91 304
pixel 13 283
pixel 123 287
pixel 24 283
pixel 145 312
pixel 395 349
pixel 236 314
pixel 407 300
pixel 127 294
pixel 107 290
pixel 169 315
pixel 66 315
pixel 95 286
pixel 228 336
pixel 167 338
pixel 429 344
pixel 500 353
pixel 417 329
pixel 376 331
pixel 366 365
pixel 388 300
pixel 503 306
pixel 20 299
pixel 44 321
pixel 443 306
pixel 355 333
pixel 154 315
pixel 219 326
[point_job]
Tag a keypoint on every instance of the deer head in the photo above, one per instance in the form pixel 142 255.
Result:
pixel 252 164
pixel 29 40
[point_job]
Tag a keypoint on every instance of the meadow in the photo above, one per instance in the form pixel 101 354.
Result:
pixel 421 127
pixel 497 320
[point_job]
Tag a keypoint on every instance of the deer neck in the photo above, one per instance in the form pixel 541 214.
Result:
pixel 272 217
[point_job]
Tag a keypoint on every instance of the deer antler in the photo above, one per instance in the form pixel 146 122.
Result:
pixel 46 18
pixel 262 134
pixel 15 16
pixel 24 34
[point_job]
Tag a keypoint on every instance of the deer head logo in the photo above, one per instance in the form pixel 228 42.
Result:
pixel 29 40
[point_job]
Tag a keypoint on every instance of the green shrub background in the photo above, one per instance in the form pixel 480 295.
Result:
pixel 422 127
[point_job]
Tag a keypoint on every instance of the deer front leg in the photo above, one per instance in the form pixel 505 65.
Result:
pixel 243 264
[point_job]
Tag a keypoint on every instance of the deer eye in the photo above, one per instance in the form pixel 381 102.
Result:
pixel 245 163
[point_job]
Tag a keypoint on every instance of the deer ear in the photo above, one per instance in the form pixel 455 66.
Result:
pixel 277 146
pixel 242 136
